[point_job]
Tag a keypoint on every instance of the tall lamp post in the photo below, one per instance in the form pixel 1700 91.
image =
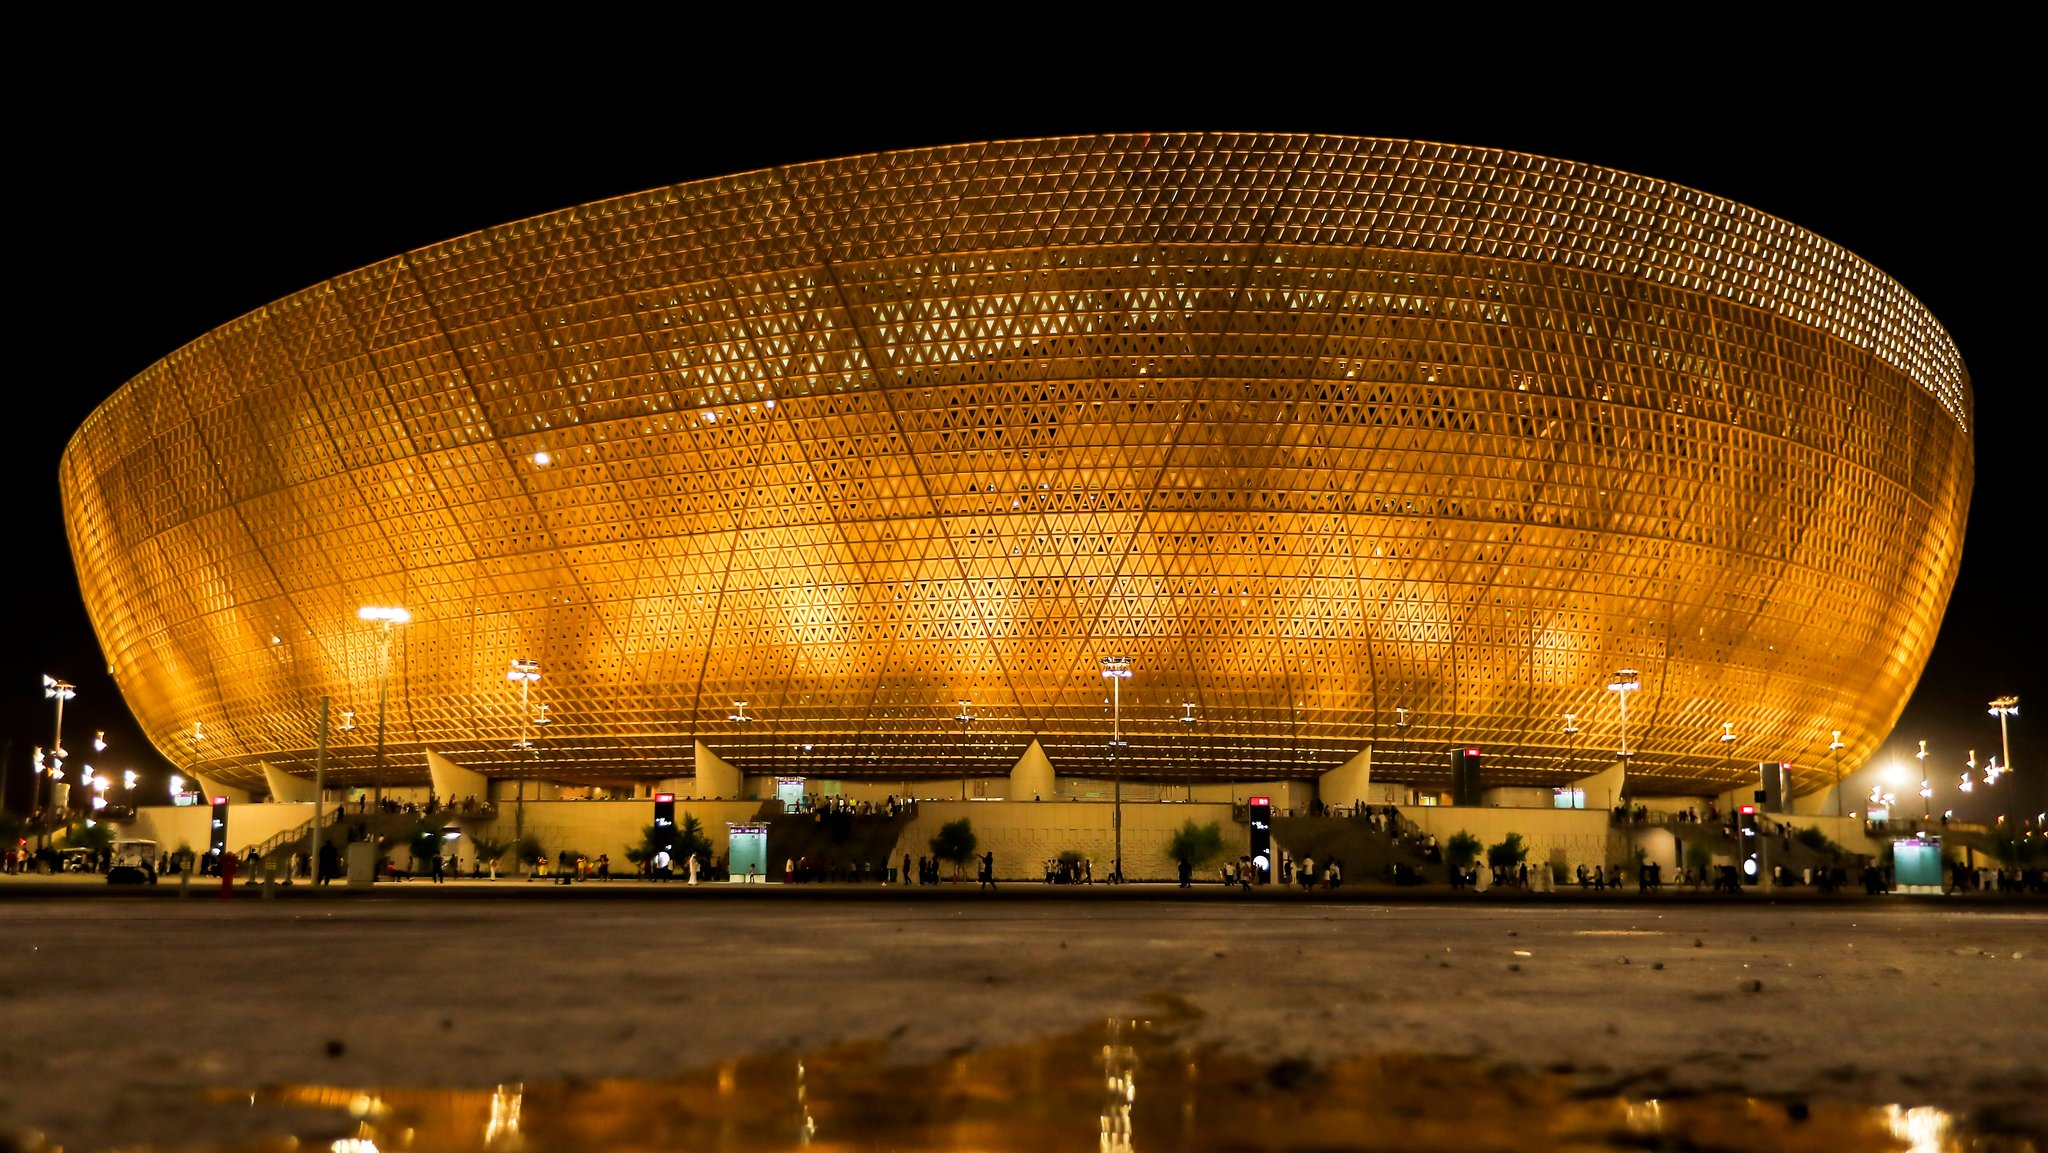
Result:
pixel 966 717
pixel 1625 682
pixel 386 618
pixel 2003 707
pixel 1927 786
pixel 1836 746
pixel 1117 670
pixel 60 691
pixel 525 673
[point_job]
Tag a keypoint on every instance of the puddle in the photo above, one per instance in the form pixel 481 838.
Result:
pixel 1128 1087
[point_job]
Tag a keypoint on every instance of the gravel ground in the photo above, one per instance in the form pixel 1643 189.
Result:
pixel 119 1014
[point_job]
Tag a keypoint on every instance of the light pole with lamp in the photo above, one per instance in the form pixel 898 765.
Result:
pixel 1570 732
pixel 1117 670
pixel 1926 786
pixel 1625 681
pixel 1836 746
pixel 1728 739
pixel 58 690
pixel 966 717
pixel 525 673
pixel 1187 717
pixel 2003 707
pixel 386 618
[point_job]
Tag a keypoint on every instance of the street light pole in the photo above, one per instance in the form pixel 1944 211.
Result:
pixel 966 717
pixel 1118 670
pixel 1926 787
pixel 387 618
pixel 1835 746
pixel 59 690
pixel 526 673
pixel 1625 682
pixel 2003 707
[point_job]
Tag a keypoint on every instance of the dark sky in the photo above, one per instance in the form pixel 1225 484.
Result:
pixel 184 194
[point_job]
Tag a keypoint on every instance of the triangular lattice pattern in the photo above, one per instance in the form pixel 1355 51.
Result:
pixel 1319 433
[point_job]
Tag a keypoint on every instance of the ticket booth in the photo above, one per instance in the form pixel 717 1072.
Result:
pixel 790 791
pixel 747 858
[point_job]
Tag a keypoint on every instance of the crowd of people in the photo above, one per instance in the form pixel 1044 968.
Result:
pixel 820 805
pixel 1073 870
pixel 1641 815
pixel 820 870
pixel 468 806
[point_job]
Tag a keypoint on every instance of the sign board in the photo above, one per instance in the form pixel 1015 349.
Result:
pixel 1261 813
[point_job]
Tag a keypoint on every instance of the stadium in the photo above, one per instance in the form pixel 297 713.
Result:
pixel 870 469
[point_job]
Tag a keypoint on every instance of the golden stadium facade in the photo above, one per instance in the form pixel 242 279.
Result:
pixel 1342 443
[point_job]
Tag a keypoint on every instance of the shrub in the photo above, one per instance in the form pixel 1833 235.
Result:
pixel 488 849
pixel 955 843
pixel 1461 850
pixel 1813 838
pixel 1195 845
pixel 97 836
pixel 1698 855
pixel 1509 853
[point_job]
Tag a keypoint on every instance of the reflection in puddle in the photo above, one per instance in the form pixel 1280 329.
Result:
pixel 1084 1089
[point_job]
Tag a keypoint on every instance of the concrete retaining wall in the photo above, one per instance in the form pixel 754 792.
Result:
pixel 190 825
pixel 1023 834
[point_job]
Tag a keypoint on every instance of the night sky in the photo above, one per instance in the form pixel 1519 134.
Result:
pixel 199 200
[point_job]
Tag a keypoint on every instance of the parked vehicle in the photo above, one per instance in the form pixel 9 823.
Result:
pixel 134 863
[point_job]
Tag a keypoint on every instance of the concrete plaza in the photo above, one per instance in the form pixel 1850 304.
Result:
pixel 120 1014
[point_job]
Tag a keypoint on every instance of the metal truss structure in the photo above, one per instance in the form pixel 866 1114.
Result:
pixel 1342 442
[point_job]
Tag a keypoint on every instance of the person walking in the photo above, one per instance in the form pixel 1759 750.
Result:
pixel 693 866
pixel 439 863
pixel 228 864
pixel 988 870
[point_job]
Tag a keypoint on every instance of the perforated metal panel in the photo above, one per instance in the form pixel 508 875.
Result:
pixel 1310 429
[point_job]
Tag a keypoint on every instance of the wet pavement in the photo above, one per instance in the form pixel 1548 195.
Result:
pixel 997 1024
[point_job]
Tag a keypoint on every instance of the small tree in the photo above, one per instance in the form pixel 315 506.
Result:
pixel 1195 845
pixel 1814 838
pixel 96 836
pixel 955 843
pixel 690 839
pixel 1509 854
pixel 1461 850
pixel 527 851
pixel 488 849
pixel 1699 855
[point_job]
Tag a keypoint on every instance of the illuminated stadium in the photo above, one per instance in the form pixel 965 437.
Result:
pixel 1343 444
